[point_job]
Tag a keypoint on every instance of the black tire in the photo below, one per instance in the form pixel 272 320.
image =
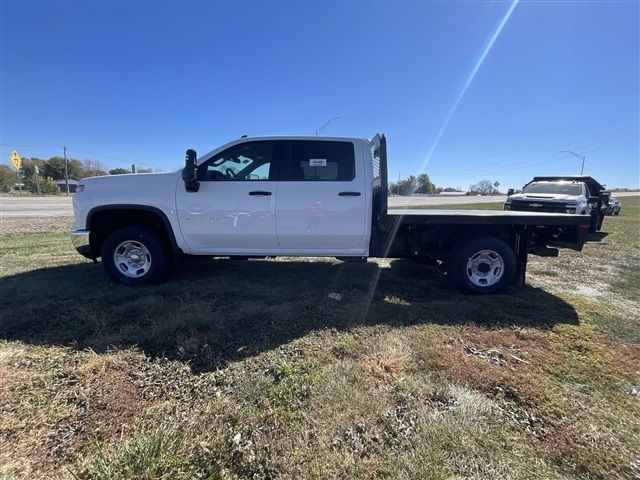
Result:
pixel 156 254
pixel 617 213
pixel 462 254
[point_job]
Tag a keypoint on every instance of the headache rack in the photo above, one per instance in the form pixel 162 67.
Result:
pixel 379 186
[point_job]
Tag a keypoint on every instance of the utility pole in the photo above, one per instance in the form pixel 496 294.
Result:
pixel 19 181
pixel 577 155
pixel 36 171
pixel 66 171
pixel 318 131
pixel 398 183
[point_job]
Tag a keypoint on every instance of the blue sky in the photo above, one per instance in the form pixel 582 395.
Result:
pixel 140 82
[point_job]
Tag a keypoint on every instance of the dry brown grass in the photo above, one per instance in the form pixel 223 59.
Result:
pixel 404 378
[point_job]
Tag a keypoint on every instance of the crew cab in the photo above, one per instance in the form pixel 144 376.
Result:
pixel 571 194
pixel 300 196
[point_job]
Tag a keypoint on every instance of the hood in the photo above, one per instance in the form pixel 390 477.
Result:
pixel 545 197
pixel 130 181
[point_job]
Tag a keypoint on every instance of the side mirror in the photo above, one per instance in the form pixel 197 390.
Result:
pixel 510 192
pixel 603 198
pixel 189 171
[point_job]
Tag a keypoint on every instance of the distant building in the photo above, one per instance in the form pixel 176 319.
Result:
pixel 73 185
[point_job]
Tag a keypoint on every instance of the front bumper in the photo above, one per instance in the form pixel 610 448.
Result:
pixel 80 240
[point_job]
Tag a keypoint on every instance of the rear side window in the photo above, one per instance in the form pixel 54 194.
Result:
pixel 317 160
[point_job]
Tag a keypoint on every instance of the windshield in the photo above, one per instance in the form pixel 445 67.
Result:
pixel 555 188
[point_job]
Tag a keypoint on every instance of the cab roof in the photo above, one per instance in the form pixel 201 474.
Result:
pixel 592 183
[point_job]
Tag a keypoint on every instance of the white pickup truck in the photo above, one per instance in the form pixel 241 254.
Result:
pixel 574 194
pixel 299 196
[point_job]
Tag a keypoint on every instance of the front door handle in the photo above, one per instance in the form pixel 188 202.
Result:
pixel 349 194
pixel 260 193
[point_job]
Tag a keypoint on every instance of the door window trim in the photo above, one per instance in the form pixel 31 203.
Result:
pixel 277 159
pixel 285 168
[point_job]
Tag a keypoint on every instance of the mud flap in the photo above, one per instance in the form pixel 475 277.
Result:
pixel 522 240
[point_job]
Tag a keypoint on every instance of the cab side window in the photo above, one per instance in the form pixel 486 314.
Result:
pixel 320 160
pixel 245 161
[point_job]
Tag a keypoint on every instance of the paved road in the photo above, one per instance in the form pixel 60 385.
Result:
pixel 61 206
pixel 36 206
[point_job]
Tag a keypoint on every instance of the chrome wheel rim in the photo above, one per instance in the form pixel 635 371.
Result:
pixel 132 259
pixel 485 268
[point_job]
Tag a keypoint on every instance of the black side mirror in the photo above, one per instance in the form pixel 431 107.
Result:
pixel 510 192
pixel 603 198
pixel 189 171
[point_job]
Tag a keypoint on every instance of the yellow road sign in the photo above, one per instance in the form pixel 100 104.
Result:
pixel 17 161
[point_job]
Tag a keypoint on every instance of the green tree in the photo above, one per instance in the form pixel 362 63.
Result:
pixel 413 184
pixel 54 168
pixel 48 186
pixel 8 177
pixel 118 171
pixel 424 184
pixel 28 166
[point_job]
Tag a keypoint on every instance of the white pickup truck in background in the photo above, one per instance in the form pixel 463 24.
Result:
pixel 581 195
pixel 300 196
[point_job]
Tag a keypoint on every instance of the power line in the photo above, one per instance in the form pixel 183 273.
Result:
pixel 555 159
pixel 28 145
pixel 529 162
pixel 554 149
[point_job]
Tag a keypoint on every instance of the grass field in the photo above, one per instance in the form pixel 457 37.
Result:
pixel 248 370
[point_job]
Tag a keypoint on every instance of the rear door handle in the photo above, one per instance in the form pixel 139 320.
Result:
pixel 349 194
pixel 260 193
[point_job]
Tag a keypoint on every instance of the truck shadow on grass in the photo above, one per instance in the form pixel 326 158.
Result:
pixel 213 312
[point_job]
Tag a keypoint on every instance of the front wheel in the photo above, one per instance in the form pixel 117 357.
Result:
pixel 482 265
pixel 134 256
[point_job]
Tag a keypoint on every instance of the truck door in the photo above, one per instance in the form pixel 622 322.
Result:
pixel 321 203
pixel 234 209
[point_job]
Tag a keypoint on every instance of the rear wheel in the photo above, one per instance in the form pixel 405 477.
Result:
pixel 135 256
pixel 482 265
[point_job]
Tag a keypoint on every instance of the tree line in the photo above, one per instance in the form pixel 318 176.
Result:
pixel 422 184
pixel 52 170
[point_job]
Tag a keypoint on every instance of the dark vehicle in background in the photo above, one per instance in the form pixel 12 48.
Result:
pixel 569 194
pixel 613 208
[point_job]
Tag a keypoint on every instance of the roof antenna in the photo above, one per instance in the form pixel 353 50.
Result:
pixel 244 136
pixel 318 131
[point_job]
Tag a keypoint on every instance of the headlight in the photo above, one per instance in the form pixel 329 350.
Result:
pixel 79 188
pixel 507 206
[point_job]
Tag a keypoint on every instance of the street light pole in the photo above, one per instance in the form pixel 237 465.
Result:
pixel 577 155
pixel 318 131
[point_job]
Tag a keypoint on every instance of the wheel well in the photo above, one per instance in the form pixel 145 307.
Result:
pixel 104 221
